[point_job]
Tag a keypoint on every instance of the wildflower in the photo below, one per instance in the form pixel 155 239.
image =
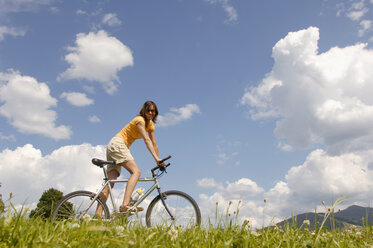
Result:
pixel 173 233
pixel 26 210
pixel 75 225
pixel 265 200
pixel 306 222
pixel 119 230
pixel 359 234
pixel 230 203
pixel 131 243
pixel 86 218
pixel 10 195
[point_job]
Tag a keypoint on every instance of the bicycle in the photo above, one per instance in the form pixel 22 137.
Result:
pixel 170 207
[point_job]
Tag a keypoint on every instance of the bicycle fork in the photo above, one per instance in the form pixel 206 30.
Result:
pixel 163 198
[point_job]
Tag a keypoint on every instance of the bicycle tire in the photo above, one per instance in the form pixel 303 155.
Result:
pixel 75 204
pixel 181 205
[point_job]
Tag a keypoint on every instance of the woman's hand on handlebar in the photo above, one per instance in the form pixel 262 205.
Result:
pixel 160 162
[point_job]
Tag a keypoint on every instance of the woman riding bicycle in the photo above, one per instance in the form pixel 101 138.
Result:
pixel 141 127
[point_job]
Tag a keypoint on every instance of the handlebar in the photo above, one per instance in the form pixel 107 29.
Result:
pixel 161 167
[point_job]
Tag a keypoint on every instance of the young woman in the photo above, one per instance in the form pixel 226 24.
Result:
pixel 141 127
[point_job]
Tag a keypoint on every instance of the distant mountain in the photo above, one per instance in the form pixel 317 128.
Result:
pixel 353 215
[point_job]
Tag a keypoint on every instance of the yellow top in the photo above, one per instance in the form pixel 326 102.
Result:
pixel 131 132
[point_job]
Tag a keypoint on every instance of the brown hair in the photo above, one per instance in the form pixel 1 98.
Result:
pixel 144 110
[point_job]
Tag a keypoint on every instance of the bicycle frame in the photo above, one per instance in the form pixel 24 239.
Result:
pixel 107 182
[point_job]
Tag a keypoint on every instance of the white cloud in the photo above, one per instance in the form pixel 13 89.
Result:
pixel 357 11
pixel 242 189
pixel 177 115
pixel 4 30
pixel 111 19
pixel 228 8
pixel 348 175
pixel 81 12
pixel 27 106
pixel 238 190
pixel 324 100
pixel 94 119
pixel 207 183
pixel 232 14
pixel 232 198
pixel 22 5
pixel 223 157
pixel 77 99
pixel 365 26
pixel 26 168
pixel 321 177
pixel 97 57
pixel 9 137
pixel 319 99
pixel 285 147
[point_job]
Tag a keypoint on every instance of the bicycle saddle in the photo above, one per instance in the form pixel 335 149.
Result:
pixel 101 163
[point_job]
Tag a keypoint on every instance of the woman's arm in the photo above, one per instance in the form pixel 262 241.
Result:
pixel 154 142
pixel 148 142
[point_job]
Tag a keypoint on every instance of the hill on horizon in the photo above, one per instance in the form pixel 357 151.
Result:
pixel 353 215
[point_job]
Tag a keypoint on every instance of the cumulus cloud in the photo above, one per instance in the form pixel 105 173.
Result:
pixel 326 99
pixel 77 99
pixel 111 19
pixel 27 168
pixel 177 115
pixel 322 177
pixel 97 57
pixel 238 190
pixel 27 106
pixel 319 99
pixel 232 196
pixel 348 175
pixel 12 31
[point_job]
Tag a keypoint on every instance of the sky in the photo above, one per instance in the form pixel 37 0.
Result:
pixel 264 104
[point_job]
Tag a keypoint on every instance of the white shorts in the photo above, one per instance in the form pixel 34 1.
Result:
pixel 117 151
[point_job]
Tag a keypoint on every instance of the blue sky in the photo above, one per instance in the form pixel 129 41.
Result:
pixel 258 99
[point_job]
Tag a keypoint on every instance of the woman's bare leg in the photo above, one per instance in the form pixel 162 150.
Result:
pixel 135 172
pixel 113 174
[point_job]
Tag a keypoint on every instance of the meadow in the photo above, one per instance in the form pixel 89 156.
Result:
pixel 18 230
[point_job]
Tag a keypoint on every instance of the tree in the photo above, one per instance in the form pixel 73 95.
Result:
pixel 46 203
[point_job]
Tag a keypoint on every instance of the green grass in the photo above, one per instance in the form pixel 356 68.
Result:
pixel 20 231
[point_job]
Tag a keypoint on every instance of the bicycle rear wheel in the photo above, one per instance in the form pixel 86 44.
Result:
pixel 183 208
pixel 79 205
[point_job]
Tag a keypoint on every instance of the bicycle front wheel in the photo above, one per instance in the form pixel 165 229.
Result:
pixel 183 210
pixel 79 205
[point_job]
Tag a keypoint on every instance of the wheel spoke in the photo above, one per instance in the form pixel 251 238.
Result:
pixel 184 211
pixel 78 205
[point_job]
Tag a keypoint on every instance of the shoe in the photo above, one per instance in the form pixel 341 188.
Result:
pixel 130 209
